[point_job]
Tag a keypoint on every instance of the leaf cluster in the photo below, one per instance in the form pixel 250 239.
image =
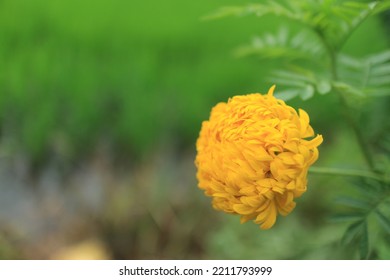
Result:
pixel 369 75
pixel 327 25
pixel 333 20
pixel 369 215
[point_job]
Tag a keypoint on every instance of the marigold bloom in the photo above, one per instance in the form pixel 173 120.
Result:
pixel 253 157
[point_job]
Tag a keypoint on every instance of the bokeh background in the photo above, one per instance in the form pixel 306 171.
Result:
pixel 101 103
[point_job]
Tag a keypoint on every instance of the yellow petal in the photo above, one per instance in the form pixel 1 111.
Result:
pixel 253 155
pixel 222 194
pixel 271 90
pixel 243 209
pixel 287 158
pixel 314 143
pixel 245 218
pixel 271 217
pixel 253 201
pixel 304 121
pixel 248 190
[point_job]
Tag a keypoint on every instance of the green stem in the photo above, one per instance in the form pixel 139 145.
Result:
pixel 347 172
pixel 346 109
pixel 358 133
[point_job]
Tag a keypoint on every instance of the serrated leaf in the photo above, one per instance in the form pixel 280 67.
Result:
pixel 347 89
pixel 302 82
pixel 307 92
pixel 343 18
pixel 354 203
pixel 370 76
pixel 371 191
pixel 353 231
pixel 267 7
pixel 292 79
pixel 272 7
pixel 380 93
pixel 349 61
pixel 288 82
pixel 383 249
pixel 287 94
pixel 383 6
pixel 383 220
pixel 332 20
pixel 379 58
pixel 364 242
pixel 383 69
pixel 324 87
pixel 380 81
pixel 283 44
pixel 349 217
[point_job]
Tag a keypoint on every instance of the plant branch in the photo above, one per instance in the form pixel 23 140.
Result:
pixel 347 111
pixel 348 114
pixel 356 129
pixel 348 172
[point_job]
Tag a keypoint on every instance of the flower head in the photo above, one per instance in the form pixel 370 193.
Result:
pixel 253 157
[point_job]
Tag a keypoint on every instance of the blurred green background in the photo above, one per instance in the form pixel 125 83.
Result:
pixel 101 103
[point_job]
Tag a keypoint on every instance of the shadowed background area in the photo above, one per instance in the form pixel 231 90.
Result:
pixel 101 103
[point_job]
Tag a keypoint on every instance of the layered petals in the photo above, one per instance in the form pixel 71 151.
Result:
pixel 253 155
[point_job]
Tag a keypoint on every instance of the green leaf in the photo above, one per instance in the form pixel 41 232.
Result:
pixel 350 217
pixel 371 190
pixel 358 231
pixel 353 232
pixel 354 203
pixel 383 69
pixel 268 7
pixel 383 220
pixel 291 78
pixel 364 242
pixel 332 20
pixel 300 82
pixel 287 94
pixel 324 87
pixel 379 58
pixel 283 44
pixel 383 249
pixel 380 81
pixel 370 75
pixel 225 12
pixel 352 14
pixel 347 89
pixel 307 92
pixel 383 6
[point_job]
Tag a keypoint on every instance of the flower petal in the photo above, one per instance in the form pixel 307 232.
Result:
pixel 253 156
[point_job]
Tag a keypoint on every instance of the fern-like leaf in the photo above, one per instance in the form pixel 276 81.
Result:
pixel 371 75
pixel 359 204
pixel 364 247
pixel 353 232
pixel 284 44
pixel 372 202
pixel 349 217
pixel 384 220
pixel 332 20
pixel 267 7
pixel 300 82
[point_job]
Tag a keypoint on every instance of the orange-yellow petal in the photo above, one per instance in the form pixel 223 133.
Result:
pixel 253 155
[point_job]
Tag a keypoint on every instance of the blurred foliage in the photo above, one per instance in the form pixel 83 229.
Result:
pixel 116 91
pixel 75 73
pixel 310 51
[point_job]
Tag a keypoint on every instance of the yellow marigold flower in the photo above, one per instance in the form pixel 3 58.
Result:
pixel 253 157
